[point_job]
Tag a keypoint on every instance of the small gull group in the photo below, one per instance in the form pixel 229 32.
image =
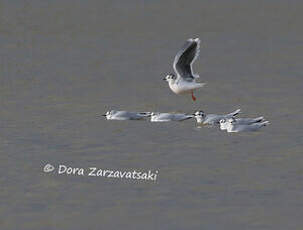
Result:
pixel 227 122
pixel 184 82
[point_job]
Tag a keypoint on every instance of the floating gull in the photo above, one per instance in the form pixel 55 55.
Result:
pixel 240 121
pixel 124 115
pixel 212 119
pixel 164 117
pixel 233 127
pixel 185 81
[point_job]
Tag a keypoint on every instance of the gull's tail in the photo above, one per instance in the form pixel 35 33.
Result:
pixel 145 114
pixel 188 116
pixel 264 123
pixel 258 119
pixel 235 113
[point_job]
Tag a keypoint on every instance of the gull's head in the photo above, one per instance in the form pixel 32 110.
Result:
pixel 107 114
pixel 170 77
pixel 222 121
pixel 199 115
pixel 223 124
pixel 227 124
pixel 154 114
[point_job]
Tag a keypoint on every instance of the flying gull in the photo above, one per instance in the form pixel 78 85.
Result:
pixel 185 81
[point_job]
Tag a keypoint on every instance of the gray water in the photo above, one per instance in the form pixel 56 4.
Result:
pixel 64 63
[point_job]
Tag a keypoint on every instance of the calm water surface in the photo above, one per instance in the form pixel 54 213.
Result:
pixel 63 63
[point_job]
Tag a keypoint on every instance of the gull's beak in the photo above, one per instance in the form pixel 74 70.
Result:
pixel 104 115
pixel 164 79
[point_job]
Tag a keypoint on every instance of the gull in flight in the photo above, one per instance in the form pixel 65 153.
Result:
pixel 185 81
pixel 233 127
pixel 240 121
pixel 212 119
pixel 164 117
pixel 124 115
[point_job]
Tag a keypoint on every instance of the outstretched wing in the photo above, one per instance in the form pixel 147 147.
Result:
pixel 185 57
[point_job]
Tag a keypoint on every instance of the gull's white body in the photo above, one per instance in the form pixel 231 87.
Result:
pixel 124 115
pixel 239 121
pixel 235 128
pixel 165 117
pixel 183 87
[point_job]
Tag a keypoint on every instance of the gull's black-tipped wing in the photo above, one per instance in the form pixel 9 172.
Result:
pixel 185 57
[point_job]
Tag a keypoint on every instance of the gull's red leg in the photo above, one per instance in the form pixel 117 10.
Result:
pixel 192 96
